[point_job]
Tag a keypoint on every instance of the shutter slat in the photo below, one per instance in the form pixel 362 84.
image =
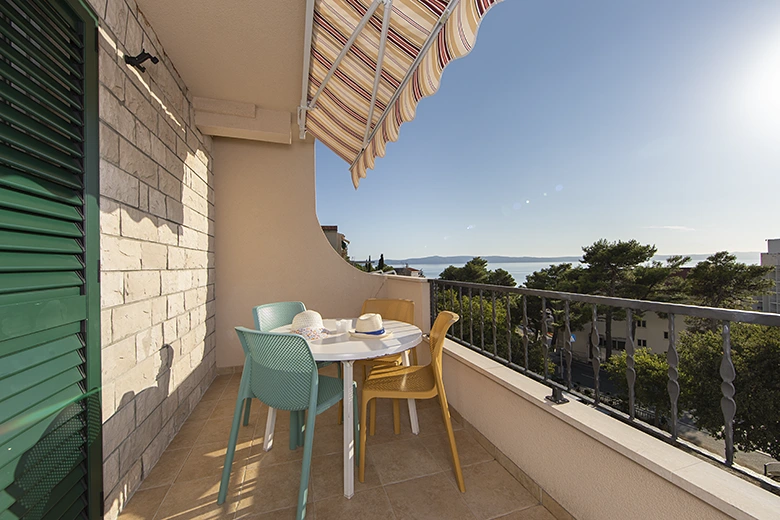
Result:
pixel 53 42
pixel 41 131
pixel 18 221
pixel 24 63
pixel 12 241
pixel 66 43
pixel 26 318
pixel 60 493
pixel 36 296
pixel 55 16
pixel 71 78
pixel 40 148
pixel 29 262
pixel 42 354
pixel 54 367
pixel 32 204
pixel 37 167
pixel 49 394
pixel 35 186
pixel 39 339
pixel 34 97
pixel 74 496
pixel 19 282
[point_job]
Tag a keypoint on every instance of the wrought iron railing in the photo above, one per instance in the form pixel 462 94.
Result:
pixel 509 341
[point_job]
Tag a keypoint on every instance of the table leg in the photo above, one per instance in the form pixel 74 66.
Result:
pixel 349 430
pixel 412 405
pixel 270 422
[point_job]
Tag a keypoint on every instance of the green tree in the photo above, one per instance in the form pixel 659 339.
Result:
pixel 756 358
pixel 651 378
pixel 381 264
pixel 476 271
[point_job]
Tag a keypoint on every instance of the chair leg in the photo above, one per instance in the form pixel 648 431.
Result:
pixel 303 490
pixel 270 423
pixel 247 407
pixel 356 422
pixel 396 416
pixel 231 451
pixel 372 431
pixel 294 428
pixel 451 435
pixel 362 456
pixel 301 427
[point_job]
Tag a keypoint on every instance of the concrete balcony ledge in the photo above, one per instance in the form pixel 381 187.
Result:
pixel 592 465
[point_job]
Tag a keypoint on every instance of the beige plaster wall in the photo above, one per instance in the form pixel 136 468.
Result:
pixel 269 244
pixel 595 467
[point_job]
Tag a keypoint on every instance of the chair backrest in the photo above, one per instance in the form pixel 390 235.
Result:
pixel 443 322
pixel 282 371
pixel 389 309
pixel 273 315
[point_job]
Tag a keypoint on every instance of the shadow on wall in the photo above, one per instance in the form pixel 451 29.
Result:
pixel 157 249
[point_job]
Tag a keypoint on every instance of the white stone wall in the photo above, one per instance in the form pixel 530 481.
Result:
pixel 157 261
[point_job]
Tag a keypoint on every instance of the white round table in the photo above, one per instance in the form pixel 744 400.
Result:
pixel 346 348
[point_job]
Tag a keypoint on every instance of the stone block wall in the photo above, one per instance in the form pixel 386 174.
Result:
pixel 157 260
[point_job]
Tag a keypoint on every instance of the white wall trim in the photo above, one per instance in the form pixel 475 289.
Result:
pixel 224 118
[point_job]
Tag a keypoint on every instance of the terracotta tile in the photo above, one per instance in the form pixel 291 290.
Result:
pixel 218 430
pixel 328 439
pixel 401 460
pixel 365 505
pixel 197 500
pixel 187 435
pixel 144 503
pixel 214 391
pixel 166 469
pixel 279 454
pixel 270 488
pixel 203 411
pixel 532 513
pixel 429 497
pixel 207 460
pixel 491 491
pixel 327 477
pixel 469 450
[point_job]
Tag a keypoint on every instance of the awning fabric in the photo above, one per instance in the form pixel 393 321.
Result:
pixel 339 116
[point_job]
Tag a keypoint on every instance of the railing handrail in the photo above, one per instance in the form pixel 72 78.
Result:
pixel 752 317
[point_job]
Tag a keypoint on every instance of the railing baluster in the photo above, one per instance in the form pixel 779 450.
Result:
pixel 546 345
pixel 567 346
pixel 453 299
pixel 596 361
pixel 525 330
pixel 495 331
pixel 630 370
pixel 673 386
pixel 481 320
pixel 460 309
pixel 508 331
pixel 727 403
pixel 471 317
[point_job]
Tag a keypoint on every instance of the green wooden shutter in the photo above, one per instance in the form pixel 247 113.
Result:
pixel 50 453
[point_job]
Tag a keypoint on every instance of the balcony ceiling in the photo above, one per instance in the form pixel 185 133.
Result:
pixel 248 51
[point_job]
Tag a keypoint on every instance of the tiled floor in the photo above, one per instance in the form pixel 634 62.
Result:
pixel 407 476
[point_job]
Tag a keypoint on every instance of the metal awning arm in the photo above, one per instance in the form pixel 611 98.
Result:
pixel 409 73
pixel 307 104
pixel 379 60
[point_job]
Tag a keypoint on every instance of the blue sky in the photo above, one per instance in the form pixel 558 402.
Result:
pixel 574 121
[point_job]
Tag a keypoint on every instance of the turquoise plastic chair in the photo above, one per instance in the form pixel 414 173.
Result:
pixel 280 371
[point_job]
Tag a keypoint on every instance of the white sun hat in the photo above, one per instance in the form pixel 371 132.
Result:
pixel 309 325
pixel 370 326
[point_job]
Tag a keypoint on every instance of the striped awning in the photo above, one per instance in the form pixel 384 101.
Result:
pixel 342 88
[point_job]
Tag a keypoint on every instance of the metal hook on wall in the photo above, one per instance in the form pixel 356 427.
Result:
pixel 136 61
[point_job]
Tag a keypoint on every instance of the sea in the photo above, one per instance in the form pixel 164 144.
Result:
pixel 519 270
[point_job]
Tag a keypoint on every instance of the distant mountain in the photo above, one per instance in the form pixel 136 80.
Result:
pixel 748 257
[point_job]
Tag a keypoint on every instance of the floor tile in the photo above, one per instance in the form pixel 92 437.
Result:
pixel 328 439
pixel 197 500
pixel 207 460
pixel 218 430
pixel 167 468
pixel 469 450
pixel 430 497
pixel 144 504
pixel 203 411
pixel 270 488
pixel 365 505
pixel 327 477
pixel 187 435
pixel 532 513
pixel 491 491
pixel 401 460
pixel 432 422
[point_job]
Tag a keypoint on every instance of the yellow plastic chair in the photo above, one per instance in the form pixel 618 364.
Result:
pixel 389 309
pixel 413 382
